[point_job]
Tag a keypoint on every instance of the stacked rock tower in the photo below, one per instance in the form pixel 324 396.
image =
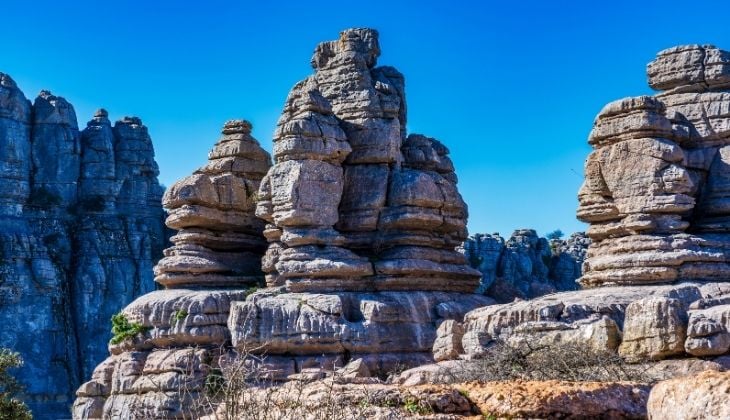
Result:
pixel 363 222
pixel 219 241
pixel 657 187
pixel 352 203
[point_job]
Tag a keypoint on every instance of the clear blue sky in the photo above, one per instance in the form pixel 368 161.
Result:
pixel 511 87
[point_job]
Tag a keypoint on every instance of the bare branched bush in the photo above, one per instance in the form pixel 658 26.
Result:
pixel 563 361
pixel 243 386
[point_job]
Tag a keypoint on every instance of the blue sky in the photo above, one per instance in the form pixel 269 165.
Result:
pixel 511 87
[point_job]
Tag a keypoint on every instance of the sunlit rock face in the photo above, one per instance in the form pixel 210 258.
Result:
pixel 220 241
pixel 353 202
pixel 80 229
pixel 657 186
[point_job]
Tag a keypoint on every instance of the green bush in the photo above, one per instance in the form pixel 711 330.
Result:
pixel 10 407
pixel 122 329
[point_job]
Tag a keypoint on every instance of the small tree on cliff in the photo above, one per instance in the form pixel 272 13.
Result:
pixel 10 407
pixel 556 234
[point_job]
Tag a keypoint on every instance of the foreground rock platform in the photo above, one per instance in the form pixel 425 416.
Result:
pixel 637 322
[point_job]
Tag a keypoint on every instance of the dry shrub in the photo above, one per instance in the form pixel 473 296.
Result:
pixel 241 386
pixel 560 361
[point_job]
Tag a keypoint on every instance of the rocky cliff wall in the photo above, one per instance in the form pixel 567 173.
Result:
pixel 81 226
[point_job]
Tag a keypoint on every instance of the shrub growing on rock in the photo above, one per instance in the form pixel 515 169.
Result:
pixel 10 407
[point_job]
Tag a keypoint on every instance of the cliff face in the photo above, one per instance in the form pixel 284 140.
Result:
pixel 80 230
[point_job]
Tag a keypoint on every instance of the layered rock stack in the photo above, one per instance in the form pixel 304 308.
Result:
pixel 657 188
pixel 352 203
pixel 363 222
pixel 656 197
pixel 72 253
pixel 219 241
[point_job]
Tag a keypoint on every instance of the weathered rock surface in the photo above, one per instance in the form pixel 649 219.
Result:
pixel 80 229
pixel 386 329
pixel 559 399
pixel 352 202
pixel 219 241
pixel 656 190
pixel 638 322
pixel 362 224
pixel 526 265
pixel 700 396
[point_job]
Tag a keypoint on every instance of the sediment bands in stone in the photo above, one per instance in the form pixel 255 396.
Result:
pixel 657 191
pixel 352 202
pixel 219 241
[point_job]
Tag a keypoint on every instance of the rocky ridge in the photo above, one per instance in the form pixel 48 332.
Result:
pixel 80 229
pixel 525 265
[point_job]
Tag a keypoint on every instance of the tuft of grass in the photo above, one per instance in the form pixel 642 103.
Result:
pixel 412 406
pixel 122 329
pixel 178 316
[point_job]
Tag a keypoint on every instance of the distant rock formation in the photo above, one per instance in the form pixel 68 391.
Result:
pixel 525 266
pixel 80 229
pixel 657 187
pixel 362 222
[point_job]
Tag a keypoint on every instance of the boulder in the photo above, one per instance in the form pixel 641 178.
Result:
pixel 699 396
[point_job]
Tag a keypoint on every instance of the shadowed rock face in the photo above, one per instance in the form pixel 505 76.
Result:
pixel 219 241
pixel 352 203
pixel 80 229
pixel 657 187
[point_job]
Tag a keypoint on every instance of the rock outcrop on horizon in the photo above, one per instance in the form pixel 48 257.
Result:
pixel 525 266
pixel 80 230
pixel 657 188
pixel 362 224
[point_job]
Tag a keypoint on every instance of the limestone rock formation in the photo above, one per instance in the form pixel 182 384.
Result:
pixel 80 229
pixel 362 224
pixel 352 202
pixel 220 241
pixel 640 323
pixel 525 266
pixel 656 191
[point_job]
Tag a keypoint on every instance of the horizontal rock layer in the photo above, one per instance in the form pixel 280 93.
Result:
pixel 656 192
